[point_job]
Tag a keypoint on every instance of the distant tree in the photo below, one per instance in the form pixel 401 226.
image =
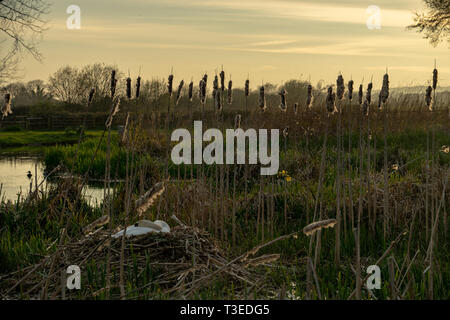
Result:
pixel 21 23
pixel 435 23
pixel 72 85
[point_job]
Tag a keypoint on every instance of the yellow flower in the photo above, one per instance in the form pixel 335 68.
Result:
pixel 288 179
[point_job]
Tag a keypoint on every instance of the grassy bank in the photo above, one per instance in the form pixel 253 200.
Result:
pixel 19 140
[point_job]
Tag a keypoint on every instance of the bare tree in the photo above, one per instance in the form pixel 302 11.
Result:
pixel 435 23
pixel 21 24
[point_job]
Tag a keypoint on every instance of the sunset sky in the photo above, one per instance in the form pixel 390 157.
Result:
pixel 272 40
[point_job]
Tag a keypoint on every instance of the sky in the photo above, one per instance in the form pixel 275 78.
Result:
pixel 265 40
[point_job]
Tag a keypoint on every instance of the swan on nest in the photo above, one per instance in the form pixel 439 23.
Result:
pixel 143 227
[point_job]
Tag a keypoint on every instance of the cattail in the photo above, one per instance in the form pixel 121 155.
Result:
pixel 350 90
pixel 200 85
pixel 138 87
pixel 360 94
pixel 180 87
pixel 113 83
pixel 330 101
pixel 222 80
pixel 237 121
pixel 283 104
pixel 114 111
pixel 91 96
pixel 429 98
pixel 191 91
pixel 202 91
pixel 286 132
pixel 384 94
pixel 365 108
pixel 262 99
pixel 379 100
pixel 435 78
pixel 215 86
pixel 218 100
pixel 340 87
pixel 369 93
pixel 247 87
pixel 129 88
pixel 295 107
pixel 316 226
pixel 170 85
pixel 230 92
pixel 7 107
pixel 310 97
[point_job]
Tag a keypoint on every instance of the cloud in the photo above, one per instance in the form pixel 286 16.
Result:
pixel 312 11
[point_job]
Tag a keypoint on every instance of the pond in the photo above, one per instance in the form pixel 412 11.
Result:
pixel 14 179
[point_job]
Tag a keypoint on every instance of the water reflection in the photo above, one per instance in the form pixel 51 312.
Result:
pixel 14 179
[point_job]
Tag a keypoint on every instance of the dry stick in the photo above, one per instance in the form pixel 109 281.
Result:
pixel 122 246
pixel 431 243
pixel 285 188
pixel 319 187
pixel 385 173
pixel 427 178
pixel 394 294
pixel 234 208
pixel 108 164
pixel 388 250
pixel 360 208
pixel 240 258
pixel 337 257
pixel 315 277
pixel 407 273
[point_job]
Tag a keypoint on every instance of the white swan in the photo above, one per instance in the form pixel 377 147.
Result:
pixel 143 227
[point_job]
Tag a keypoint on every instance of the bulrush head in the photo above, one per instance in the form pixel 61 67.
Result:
pixel 429 98
pixel 230 92
pixel 6 110
pixel 191 91
pixel 330 101
pixel 138 87
pixel 91 96
pixel 215 86
pixel 369 93
pixel 247 87
pixel 316 226
pixel 435 78
pixel 113 83
pixel 202 91
pixel 310 97
pixel 262 99
pixel 283 103
pixel 360 94
pixel 222 80
pixel 218 100
pixel 237 122
pixel 200 85
pixel 340 87
pixel 384 93
pixel 295 108
pixel 365 108
pixel 170 85
pixel 129 88
pixel 350 90
pixel 180 88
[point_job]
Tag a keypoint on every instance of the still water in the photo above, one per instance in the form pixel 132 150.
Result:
pixel 14 180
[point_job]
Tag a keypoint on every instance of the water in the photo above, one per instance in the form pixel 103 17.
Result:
pixel 13 177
